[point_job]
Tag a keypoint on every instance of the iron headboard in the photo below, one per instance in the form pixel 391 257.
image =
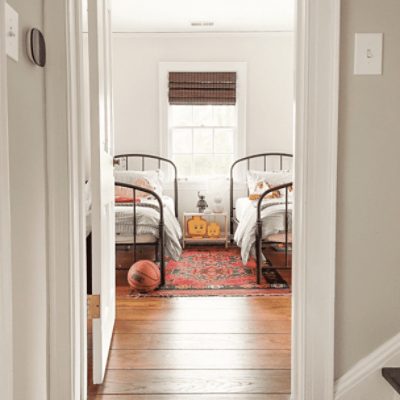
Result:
pixel 160 160
pixel 264 157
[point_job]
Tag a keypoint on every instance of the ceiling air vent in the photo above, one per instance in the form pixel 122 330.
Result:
pixel 202 23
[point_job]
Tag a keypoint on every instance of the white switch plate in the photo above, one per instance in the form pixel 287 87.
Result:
pixel 368 54
pixel 11 32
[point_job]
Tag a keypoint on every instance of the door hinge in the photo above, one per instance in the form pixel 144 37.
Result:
pixel 93 306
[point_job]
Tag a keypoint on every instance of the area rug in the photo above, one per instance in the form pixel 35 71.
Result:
pixel 217 271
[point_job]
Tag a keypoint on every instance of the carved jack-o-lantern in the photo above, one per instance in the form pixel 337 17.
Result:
pixel 213 230
pixel 197 227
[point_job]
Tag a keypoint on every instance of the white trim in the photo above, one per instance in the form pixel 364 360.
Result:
pixel 255 34
pixel 370 364
pixel 316 98
pixel 318 27
pixel 66 217
pixel 237 66
pixel 6 342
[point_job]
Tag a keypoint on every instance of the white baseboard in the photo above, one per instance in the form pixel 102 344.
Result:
pixel 365 379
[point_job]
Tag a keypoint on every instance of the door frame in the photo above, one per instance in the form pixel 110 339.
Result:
pixel 66 219
pixel 314 245
pixel 316 131
pixel 6 321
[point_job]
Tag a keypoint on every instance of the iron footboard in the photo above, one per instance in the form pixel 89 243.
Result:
pixel 158 244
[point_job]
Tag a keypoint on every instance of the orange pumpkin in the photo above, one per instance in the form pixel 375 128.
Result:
pixel 213 230
pixel 197 227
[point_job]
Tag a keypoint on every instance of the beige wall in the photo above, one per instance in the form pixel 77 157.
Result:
pixel 368 231
pixel 28 216
pixel 269 97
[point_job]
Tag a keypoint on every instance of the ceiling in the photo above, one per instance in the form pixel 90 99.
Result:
pixel 224 15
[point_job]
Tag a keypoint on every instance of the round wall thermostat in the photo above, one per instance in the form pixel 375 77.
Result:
pixel 36 47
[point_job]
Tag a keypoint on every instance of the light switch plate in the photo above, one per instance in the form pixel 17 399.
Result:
pixel 11 33
pixel 368 54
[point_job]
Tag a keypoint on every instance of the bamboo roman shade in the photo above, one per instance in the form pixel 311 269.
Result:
pixel 202 88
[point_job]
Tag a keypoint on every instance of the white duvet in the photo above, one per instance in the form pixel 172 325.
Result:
pixel 147 223
pixel 273 218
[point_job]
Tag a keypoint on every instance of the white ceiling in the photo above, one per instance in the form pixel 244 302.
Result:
pixel 227 15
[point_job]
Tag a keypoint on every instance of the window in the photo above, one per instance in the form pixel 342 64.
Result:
pixel 202 116
pixel 202 139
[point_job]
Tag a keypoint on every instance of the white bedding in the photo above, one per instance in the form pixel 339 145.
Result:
pixel 147 218
pixel 148 227
pixel 273 217
pixel 241 205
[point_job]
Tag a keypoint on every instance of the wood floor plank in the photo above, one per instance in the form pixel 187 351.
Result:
pixel 276 313
pixel 192 303
pixel 234 327
pixel 193 397
pixel 150 303
pixel 203 348
pixel 132 341
pixel 193 382
pixel 199 359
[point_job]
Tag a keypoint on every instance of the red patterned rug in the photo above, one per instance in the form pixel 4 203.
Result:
pixel 217 271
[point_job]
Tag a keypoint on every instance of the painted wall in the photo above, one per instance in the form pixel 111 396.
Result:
pixel 364 380
pixel 368 230
pixel 28 212
pixel 269 93
pixel 270 74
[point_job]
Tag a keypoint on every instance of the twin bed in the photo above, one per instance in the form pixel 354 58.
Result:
pixel 145 215
pixel 146 211
pixel 261 213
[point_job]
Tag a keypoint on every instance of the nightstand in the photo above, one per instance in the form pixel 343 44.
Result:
pixel 220 218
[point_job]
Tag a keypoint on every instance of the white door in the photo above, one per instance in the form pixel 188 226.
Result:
pixel 103 228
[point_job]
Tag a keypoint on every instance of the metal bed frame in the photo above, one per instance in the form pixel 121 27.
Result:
pixel 160 160
pixel 158 244
pixel 233 220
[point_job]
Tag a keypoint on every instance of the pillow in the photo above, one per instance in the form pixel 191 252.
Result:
pixel 260 181
pixel 147 179
pixel 125 195
pixel 277 178
pixel 262 187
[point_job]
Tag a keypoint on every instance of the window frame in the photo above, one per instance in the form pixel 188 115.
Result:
pixel 193 128
pixel 164 129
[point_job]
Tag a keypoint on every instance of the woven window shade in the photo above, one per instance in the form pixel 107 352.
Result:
pixel 202 88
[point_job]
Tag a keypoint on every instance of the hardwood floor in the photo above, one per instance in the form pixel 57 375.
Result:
pixel 204 348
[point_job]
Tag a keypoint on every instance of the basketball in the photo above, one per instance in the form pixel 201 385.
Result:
pixel 144 276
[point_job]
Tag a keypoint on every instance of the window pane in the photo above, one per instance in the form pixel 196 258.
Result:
pixel 203 165
pixel 202 115
pixel 202 141
pixel 182 141
pixel 184 165
pixel 223 163
pixel 224 115
pixel 181 116
pixel 223 140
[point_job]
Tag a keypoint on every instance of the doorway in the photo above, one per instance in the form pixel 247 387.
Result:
pixel 310 157
pixel 204 135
